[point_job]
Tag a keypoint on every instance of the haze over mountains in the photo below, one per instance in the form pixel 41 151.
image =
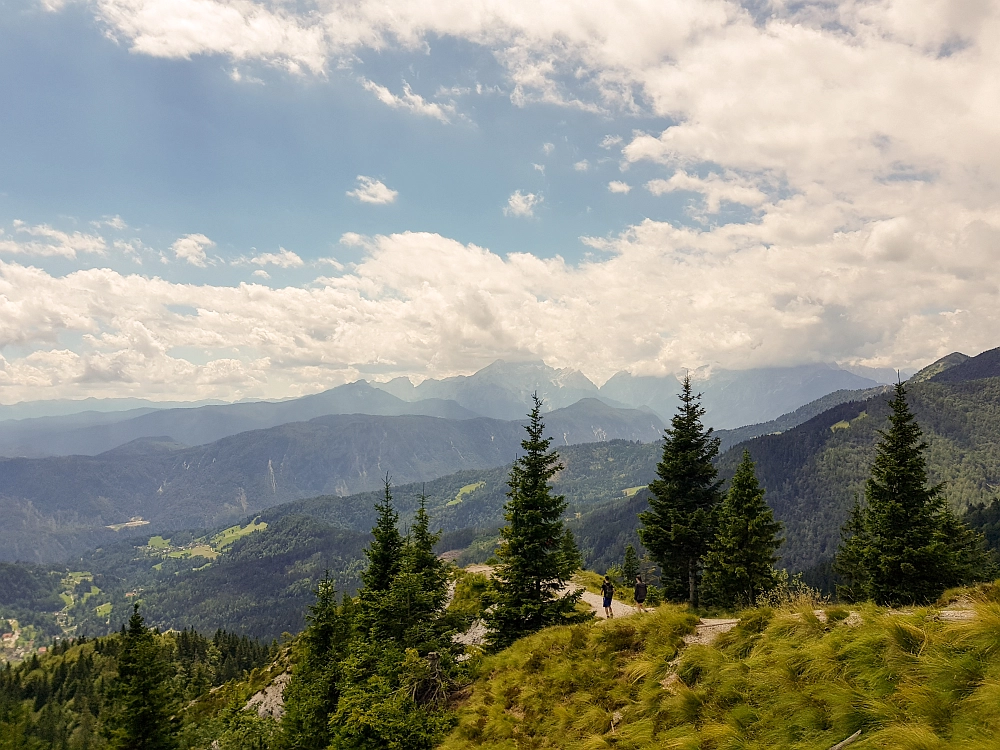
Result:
pixel 732 398
pixel 204 466
pixel 499 391
pixel 52 505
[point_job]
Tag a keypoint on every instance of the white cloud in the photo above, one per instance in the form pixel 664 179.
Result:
pixel 410 101
pixel 863 134
pixel 616 186
pixel 714 188
pixel 191 247
pixel 798 287
pixel 539 168
pixel 522 204
pixel 115 222
pixel 46 241
pixel 261 274
pixel 548 148
pixel 241 29
pixel 283 259
pixel 582 166
pixel 370 190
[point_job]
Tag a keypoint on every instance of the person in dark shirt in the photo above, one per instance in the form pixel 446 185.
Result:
pixel 608 590
pixel 640 594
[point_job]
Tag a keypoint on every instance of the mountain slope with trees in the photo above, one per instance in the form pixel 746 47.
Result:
pixel 54 507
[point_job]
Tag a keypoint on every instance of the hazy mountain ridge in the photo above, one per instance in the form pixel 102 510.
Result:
pixel 53 505
pixel 501 391
pixel 732 398
pixel 205 424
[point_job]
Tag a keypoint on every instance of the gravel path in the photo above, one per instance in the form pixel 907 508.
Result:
pixel 596 602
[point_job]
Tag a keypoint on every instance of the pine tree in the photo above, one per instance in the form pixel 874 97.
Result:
pixel 141 705
pixel 684 498
pixel 904 545
pixel 739 565
pixel 536 553
pixel 400 660
pixel 630 565
pixel 314 690
pixel 385 552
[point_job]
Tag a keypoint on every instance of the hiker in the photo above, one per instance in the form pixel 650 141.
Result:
pixel 608 590
pixel 640 594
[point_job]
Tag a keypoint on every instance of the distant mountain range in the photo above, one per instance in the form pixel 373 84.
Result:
pixel 810 470
pixel 501 391
pixel 52 506
pixel 92 433
pixel 732 398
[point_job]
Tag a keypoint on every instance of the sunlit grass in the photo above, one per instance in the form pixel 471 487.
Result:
pixel 783 678
pixel 227 536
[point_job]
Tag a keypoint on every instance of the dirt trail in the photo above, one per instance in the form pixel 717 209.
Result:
pixel 596 603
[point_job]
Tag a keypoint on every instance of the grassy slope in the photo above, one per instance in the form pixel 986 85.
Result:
pixel 782 679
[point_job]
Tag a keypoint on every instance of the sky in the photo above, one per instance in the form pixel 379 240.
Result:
pixel 240 198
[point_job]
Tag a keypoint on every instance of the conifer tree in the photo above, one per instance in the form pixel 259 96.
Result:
pixel 630 565
pixel 385 552
pixel 904 545
pixel 739 565
pixel 314 690
pixel 537 555
pixel 400 659
pixel 684 498
pixel 141 715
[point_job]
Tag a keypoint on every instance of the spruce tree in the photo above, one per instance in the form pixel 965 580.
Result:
pixel 141 704
pixel 537 555
pixel 684 498
pixel 739 565
pixel 385 552
pixel 312 695
pixel 630 565
pixel 904 545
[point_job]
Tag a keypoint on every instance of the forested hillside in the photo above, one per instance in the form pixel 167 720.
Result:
pixel 55 507
pixel 260 585
pixel 813 472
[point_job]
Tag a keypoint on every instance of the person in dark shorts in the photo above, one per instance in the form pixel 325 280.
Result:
pixel 640 594
pixel 608 590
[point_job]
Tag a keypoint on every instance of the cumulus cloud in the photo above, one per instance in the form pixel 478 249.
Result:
pixel 241 29
pixel 582 166
pixel 410 101
pixel 862 134
pixel 370 190
pixel 43 240
pixel 522 204
pixel 191 247
pixel 283 259
pixel 615 186
pixel 888 292
pixel 715 189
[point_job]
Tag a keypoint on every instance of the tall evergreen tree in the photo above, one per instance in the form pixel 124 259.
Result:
pixel 385 552
pixel 314 690
pixel 904 545
pixel 401 658
pixel 142 707
pixel 739 565
pixel 537 556
pixel 630 565
pixel 680 523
